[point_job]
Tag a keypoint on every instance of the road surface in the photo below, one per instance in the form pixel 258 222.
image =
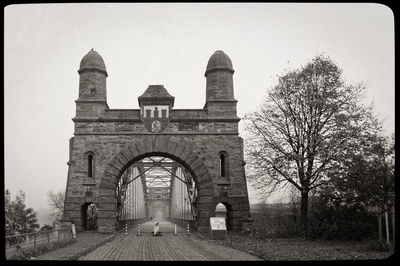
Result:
pixel 165 247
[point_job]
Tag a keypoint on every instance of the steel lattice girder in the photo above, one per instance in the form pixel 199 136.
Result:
pixel 157 172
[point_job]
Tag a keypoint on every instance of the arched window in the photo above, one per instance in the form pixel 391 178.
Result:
pixel 90 165
pixel 223 164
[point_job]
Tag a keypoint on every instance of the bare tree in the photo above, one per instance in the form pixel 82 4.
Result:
pixel 304 124
pixel 56 202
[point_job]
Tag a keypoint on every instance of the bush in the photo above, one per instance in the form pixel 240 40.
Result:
pixel 265 226
pixel 340 222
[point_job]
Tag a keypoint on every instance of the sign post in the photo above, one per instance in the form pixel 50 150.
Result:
pixel 218 227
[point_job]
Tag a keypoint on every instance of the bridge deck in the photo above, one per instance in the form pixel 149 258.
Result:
pixel 165 247
pixel 165 226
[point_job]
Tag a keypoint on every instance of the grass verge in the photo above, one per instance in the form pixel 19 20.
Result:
pixel 288 249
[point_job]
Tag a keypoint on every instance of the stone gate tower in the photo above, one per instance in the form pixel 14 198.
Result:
pixel 107 141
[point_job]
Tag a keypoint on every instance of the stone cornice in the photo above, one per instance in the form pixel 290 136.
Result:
pixel 221 101
pixel 92 101
pixel 172 111
pixel 219 68
pixel 94 68
pixel 159 134
pixel 123 110
pixel 138 120
pixel 205 120
pixel 105 120
pixel 218 101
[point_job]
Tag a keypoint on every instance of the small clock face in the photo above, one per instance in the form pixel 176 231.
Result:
pixel 156 126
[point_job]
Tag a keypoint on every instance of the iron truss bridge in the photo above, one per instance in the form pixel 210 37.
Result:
pixel 156 187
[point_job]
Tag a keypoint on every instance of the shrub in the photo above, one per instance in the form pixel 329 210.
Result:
pixel 265 226
pixel 340 222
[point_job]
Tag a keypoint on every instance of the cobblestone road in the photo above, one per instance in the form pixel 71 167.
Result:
pixel 166 247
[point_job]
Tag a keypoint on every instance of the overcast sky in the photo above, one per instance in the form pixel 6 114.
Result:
pixel 169 44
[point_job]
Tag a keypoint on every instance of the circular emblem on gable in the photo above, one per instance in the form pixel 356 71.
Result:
pixel 156 126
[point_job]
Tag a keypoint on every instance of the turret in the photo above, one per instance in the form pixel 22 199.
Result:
pixel 219 89
pixel 92 99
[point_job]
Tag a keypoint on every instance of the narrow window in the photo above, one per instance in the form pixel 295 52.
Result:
pixel 222 165
pixel 148 113
pixel 164 113
pixel 156 112
pixel 90 165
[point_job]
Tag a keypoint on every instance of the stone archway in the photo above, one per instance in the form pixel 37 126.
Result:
pixel 199 139
pixel 182 152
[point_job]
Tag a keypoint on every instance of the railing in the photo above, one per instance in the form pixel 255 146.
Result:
pixel 33 241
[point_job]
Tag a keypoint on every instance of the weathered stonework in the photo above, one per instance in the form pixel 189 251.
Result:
pixel 116 138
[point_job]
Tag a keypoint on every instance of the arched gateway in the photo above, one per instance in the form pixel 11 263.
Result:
pixel 108 141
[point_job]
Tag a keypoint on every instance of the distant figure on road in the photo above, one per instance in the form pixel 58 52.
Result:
pixel 151 218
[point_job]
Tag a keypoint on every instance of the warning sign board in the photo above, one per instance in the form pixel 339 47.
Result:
pixel 217 223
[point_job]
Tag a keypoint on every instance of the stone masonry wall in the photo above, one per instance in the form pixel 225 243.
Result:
pixel 105 147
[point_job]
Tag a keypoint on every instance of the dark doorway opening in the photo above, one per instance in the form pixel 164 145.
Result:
pixel 89 216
